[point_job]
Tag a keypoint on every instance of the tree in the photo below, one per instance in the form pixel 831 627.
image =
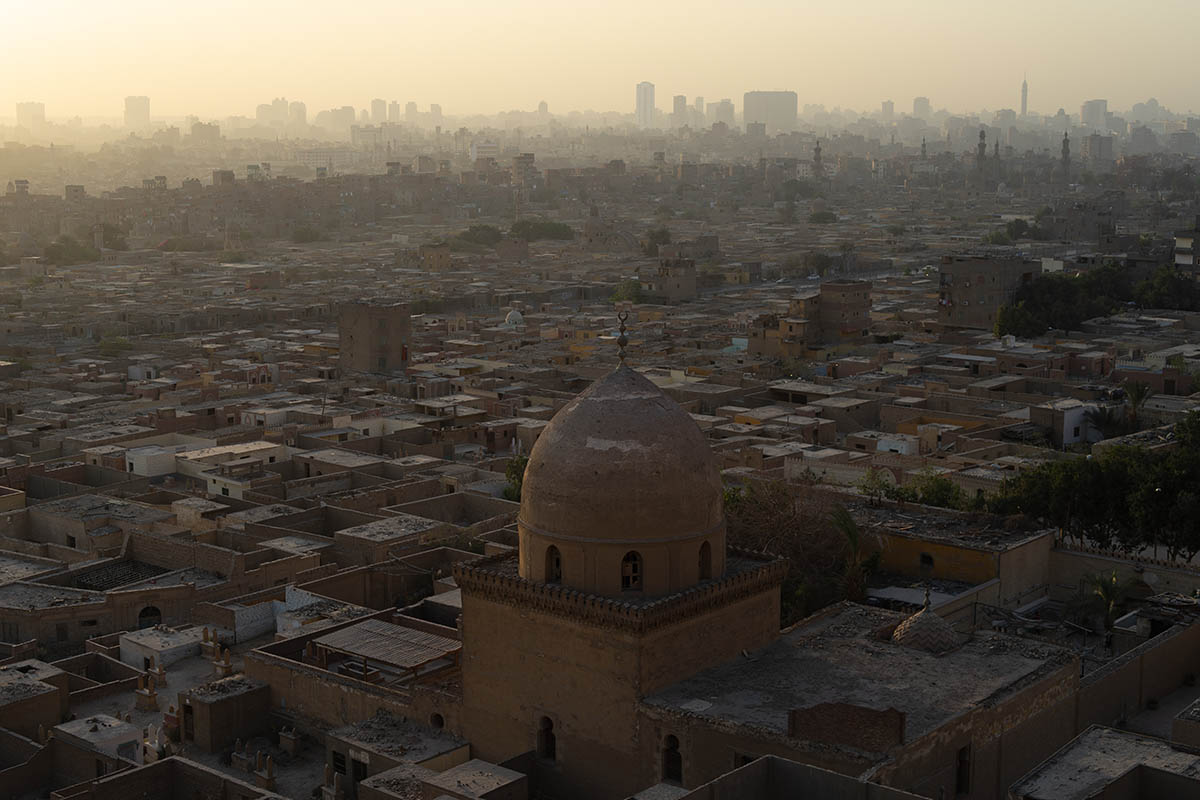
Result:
pixel 937 490
pixel 857 565
pixel 822 217
pixel 1136 395
pixel 1106 593
pixel 628 290
pixel 794 522
pixel 482 234
pixel 532 230
pixel 896 230
pixel 1017 229
pixel 653 238
pixel 1106 420
pixel 873 485
pixel 514 473
pixel 112 346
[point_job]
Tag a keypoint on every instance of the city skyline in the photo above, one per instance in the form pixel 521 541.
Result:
pixel 61 51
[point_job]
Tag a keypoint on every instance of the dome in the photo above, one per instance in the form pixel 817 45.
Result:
pixel 926 631
pixel 622 470
pixel 514 318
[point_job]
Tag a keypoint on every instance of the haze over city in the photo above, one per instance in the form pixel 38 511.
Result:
pixel 628 401
pixel 220 58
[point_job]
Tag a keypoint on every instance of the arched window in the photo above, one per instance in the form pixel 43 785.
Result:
pixel 631 571
pixel 553 565
pixel 545 739
pixel 437 721
pixel 705 561
pixel 672 761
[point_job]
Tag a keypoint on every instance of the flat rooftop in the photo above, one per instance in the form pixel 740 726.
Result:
pixel 1098 757
pixel 390 735
pixel 394 527
pixel 837 657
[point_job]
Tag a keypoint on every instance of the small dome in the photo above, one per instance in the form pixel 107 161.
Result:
pixel 514 318
pixel 622 462
pixel 926 631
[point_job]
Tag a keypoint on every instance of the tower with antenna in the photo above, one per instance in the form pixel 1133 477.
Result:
pixel 1024 96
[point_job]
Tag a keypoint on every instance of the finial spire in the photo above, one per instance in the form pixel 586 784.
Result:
pixel 926 606
pixel 622 340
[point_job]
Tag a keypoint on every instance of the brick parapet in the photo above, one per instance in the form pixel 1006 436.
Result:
pixel 481 578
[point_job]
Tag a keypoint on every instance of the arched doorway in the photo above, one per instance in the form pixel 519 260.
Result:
pixel 672 761
pixel 705 561
pixel 553 565
pixel 546 746
pixel 149 616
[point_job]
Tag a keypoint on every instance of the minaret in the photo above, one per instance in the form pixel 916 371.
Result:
pixel 981 154
pixel 1066 153
pixel 923 153
pixel 1024 97
pixel 818 168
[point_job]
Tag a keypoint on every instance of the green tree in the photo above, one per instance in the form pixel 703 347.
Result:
pixel 1017 229
pixel 628 290
pixel 653 238
pixel 112 346
pixel 934 489
pixel 514 474
pixel 532 230
pixel 858 563
pixel 873 485
pixel 1107 593
pixel 1136 395
pixel 822 217
pixel 487 235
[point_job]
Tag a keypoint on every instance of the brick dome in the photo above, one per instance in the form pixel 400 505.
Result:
pixel 621 469
pixel 926 631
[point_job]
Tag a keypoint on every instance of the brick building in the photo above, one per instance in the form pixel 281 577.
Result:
pixel 972 288
pixel 373 337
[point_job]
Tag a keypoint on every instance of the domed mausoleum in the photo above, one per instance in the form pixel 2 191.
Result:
pixel 622 495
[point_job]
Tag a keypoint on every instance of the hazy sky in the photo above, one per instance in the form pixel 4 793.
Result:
pixel 221 57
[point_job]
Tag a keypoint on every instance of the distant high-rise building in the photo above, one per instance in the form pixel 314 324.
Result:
pixel 678 111
pixel 410 113
pixel 776 110
pixel 543 108
pixel 722 112
pixel 137 113
pixel 435 114
pixel 699 105
pixel 378 111
pixel 393 114
pixel 921 108
pixel 297 113
pixel 888 110
pixel 31 116
pixel 1024 97
pixel 1094 114
pixel 645 105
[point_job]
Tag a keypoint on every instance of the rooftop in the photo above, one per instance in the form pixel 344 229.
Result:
pixel 1098 757
pixel 837 656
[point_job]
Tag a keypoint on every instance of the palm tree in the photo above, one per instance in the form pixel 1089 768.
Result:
pixel 1136 395
pixel 1107 594
pixel 1104 419
pixel 858 563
